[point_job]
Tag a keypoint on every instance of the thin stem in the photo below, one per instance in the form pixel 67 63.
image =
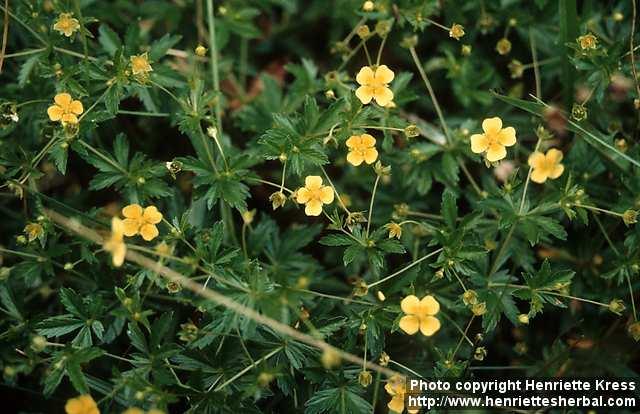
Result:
pixel 35 34
pixel 142 113
pixel 407 267
pixel 373 196
pixel 536 69
pixel 602 210
pixel 631 48
pixel 526 183
pixel 5 33
pixel 606 236
pixel 247 369
pixel 213 49
pixel 464 335
pixel 384 40
pixel 366 52
pixel 432 94
pixel 335 191
pixel 506 241
pixel 83 30
pixel 473 182
pixel 328 296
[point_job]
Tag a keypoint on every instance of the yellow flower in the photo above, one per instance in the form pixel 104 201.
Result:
pixel 456 31
pixel 201 50
pixel 141 221
pixel 140 64
pixel 546 166
pixel 396 388
pixel 368 6
pixel 362 148
pixel 314 195
pixel 66 24
pixel 420 315
pixel 33 231
pixel 374 85
pixel 588 41
pixel 503 46
pixel 65 109
pixel 494 140
pixel 115 243
pixel 133 410
pixel 83 404
pixel 395 230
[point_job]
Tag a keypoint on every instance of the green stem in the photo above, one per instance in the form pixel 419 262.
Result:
pixel 373 196
pixel 247 369
pixel 213 50
pixel 407 267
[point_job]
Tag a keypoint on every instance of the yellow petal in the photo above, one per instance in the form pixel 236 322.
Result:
pixel 383 95
pixel 55 113
pixel 410 324
pixel 492 125
pixel 74 406
pixel 62 99
pixel 133 211
pixel 536 159
pixel 130 227
pixel 367 140
pixel 410 305
pixel 69 118
pixel 149 232
pixel 507 136
pixel 557 171
pixel 353 141
pixel 152 215
pixel 429 325
pixel 383 74
pixel 76 107
pixel 313 182
pixel 365 94
pixel 313 208
pixel 396 404
pixel 355 158
pixel 370 155
pixel 303 195
pixel 118 254
pixel 554 156
pixel 479 143
pixel 539 175
pixel 496 152
pixel 429 305
pixel 117 228
pixel 365 76
pixel 326 195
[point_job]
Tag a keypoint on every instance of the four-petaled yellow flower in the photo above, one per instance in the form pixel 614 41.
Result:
pixel 420 315
pixel 65 109
pixel 140 65
pixel 141 221
pixel 546 165
pixel 396 388
pixel 494 140
pixel 314 195
pixel 374 85
pixel 66 24
pixel 83 404
pixel 361 148
pixel 115 243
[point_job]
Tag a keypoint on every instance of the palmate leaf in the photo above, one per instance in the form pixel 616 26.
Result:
pixel 344 400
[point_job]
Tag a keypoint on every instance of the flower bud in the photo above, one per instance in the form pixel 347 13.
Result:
pixel 480 353
pixel 201 50
pixel 383 27
pixel 578 112
pixel 617 306
pixel 456 31
pixel 465 50
pixel 368 6
pixel 411 131
pixel 278 199
pixel 470 297
pixel 503 46
pixel 479 309
pixel 365 378
pixel 630 217
pixel 363 31
pixel 523 318
pixel 381 296
pixel 409 41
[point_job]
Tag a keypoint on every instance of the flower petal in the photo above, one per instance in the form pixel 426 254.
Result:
pixel 370 155
pixel 410 305
pixel 76 107
pixel 130 227
pixel 354 141
pixel 554 156
pixel 479 143
pixel 410 324
pixel 396 404
pixel 365 94
pixel 429 305
pixel 557 171
pixel 383 74
pixel 507 136
pixel 118 254
pixel 313 208
pixel 355 158
pixel 313 182
pixel 539 175
pixel 63 99
pixel 492 125
pixel 303 195
pixel 117 228
pixel 69 118
pixel 365 76
pixel 367 140
pixel 429 325
pixel 536 159
pixel 496 152
pixel 149 231
pixel 133 211
pixel 55 113
pixel 152 215
pixel 383 95
pixel 326 195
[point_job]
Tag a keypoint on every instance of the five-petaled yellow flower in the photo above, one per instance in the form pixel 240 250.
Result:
pixel 140 65
pixel 374 85
pixel 420 315
pixel 66 24
pixel 115 243
pixel 494 140
pixel 83 404
pixel 314 195
pixel 546 165
pixel 396 388
pixel 141 221
pixel 65 109
pixel 361 148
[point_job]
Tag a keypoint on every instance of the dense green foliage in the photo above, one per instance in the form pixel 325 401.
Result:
pixel 533 278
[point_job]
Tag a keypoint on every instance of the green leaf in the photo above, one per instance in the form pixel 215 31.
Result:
pixel 449 208
pixel 109 39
